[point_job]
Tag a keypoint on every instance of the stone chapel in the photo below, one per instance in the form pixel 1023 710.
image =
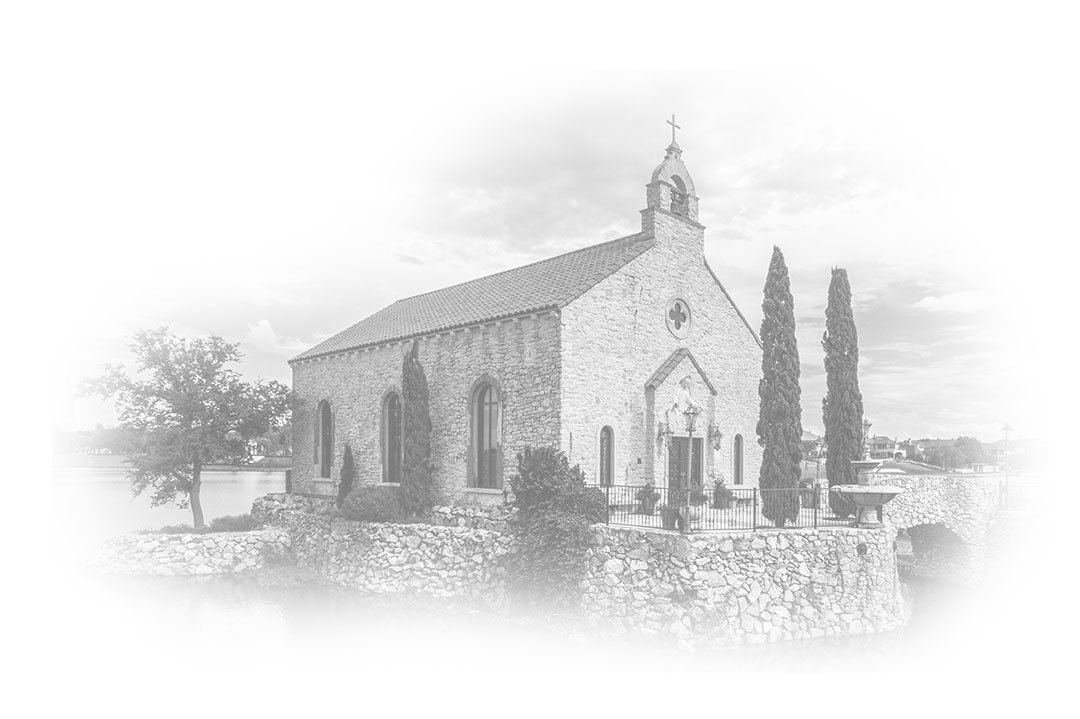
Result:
pixel 598 351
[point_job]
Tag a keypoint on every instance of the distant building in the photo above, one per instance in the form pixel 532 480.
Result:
pixel 813 446
pixel 913 449
pixel 979 468
pixel 1023 454
pixel 886 448
pixel 997 453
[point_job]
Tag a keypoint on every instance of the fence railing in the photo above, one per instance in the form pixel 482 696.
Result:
pixel 1020 495
pixel 747 508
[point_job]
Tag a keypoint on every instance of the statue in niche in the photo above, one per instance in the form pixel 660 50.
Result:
pixel 682 398
pixel 672 418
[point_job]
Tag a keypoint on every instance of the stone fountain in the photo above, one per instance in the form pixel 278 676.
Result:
pixel 864 498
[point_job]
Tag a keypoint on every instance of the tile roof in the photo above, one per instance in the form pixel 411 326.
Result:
pixel 548 284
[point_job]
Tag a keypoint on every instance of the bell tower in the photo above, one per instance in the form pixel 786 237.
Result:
pixel 670 202
pixel 671 187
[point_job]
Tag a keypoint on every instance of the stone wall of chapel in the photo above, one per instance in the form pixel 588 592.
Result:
pixel 615 336
pixel 521 355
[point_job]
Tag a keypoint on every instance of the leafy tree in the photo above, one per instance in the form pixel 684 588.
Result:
pixel 551 528
pixel 971 449
pixel 279 441
pixel 842 407
pixel 184 409
pixel 946 456
pixel 347 476
pixel 417 480
pixel 779 427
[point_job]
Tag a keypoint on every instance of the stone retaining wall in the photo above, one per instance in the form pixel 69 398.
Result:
pixel 443 561
pixel 743 587
pixel 493 518
pixel 708 588
pixel 211 553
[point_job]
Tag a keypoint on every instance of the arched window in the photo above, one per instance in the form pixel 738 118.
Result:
pixel 737 459
pixel 486 437
pixel 607 456
pixel 391 438
pixel 324 440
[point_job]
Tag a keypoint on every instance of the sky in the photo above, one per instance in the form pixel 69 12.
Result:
pixel 273 174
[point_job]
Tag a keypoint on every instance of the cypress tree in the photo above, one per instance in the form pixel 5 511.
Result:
pixel 779 427
pixel 417 490
pixel 842 408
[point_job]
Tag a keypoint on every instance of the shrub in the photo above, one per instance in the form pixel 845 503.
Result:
pixel 647 498
pixel 347 476
pixel 596 505
pixel 418 493
pixel 551 528
pixel 373 504
pixel 234 523
pixel 178 529
pixel 722 496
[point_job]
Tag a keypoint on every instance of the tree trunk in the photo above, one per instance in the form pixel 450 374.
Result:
pixel 196 503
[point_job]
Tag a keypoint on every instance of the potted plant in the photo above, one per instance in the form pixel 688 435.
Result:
pixel 669 516
pixel 647 498
pixel 722 496
pixel 697 501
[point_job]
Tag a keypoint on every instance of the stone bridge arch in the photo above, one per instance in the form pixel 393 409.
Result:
pixel 947 519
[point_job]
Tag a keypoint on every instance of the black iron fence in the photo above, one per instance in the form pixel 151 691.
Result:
pixel 1020 495
pixel 708 509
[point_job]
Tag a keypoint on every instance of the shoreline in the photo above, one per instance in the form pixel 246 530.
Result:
pixel 213 468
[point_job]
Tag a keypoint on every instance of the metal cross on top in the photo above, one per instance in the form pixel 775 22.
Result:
pixel 674 127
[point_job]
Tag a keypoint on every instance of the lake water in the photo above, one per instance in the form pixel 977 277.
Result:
pixel 95 504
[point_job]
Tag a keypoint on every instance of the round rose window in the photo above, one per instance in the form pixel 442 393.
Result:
pixel 678 317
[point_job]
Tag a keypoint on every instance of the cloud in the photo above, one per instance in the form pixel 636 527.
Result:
pixel 964 301
pixel 262 336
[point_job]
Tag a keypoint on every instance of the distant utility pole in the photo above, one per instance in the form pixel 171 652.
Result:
pixel 1006 429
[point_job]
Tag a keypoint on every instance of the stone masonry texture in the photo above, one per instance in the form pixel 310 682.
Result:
pixel 616 336
pixel 521 356
pixel 722 588
pixel 210 553
pixel 947 519
pixel 745 588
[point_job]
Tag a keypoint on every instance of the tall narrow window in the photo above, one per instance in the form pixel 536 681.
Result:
pixel 486 437
pixel 324 440
pixel 607 456
pixel 737 459
pixel 391 439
